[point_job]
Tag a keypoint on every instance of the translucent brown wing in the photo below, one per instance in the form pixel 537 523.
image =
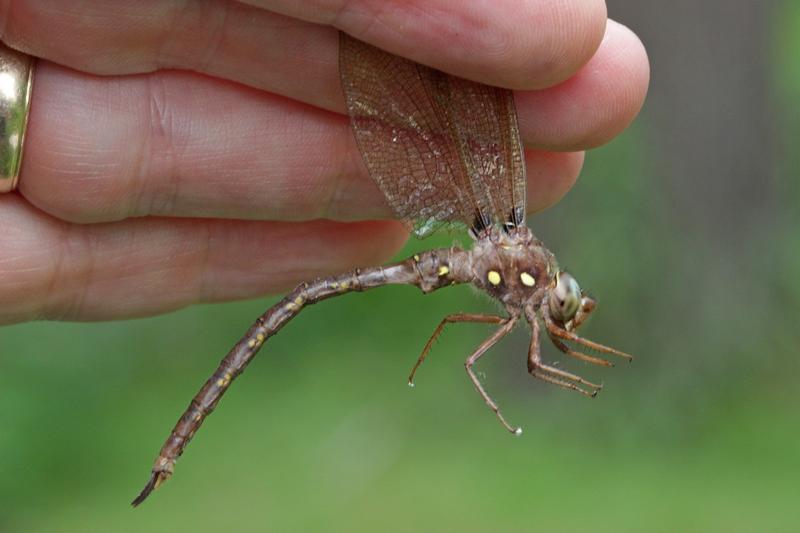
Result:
pixel 442 149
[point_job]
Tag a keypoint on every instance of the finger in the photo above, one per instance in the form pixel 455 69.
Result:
pixel 550 176
pixel 178 144
pixel 223 38
pixel 540 43
pixel 596 104
pixel 56 270
pixel 524 44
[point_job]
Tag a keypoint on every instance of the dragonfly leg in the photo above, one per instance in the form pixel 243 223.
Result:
pixel 552 374
pixel 577 355
pixel 501 332
pixel 554 330
pixel 451 319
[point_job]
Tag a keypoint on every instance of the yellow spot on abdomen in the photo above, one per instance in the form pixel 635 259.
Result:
pixel 225 380
pixel 443 270
pixel 494 277
pixel 527 279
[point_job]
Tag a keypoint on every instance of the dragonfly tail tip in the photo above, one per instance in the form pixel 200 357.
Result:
pixel 156 478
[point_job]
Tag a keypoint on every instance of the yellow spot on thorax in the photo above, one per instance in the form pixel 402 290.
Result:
pixel 443 270
pixel 527 279
pixel 494 277
pixel 416 257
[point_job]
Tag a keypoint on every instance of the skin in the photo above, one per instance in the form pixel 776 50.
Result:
pixel 185 152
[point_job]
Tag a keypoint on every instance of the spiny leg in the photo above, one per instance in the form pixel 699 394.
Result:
pixel 555 330
pixel 577 355
pixel 548 373
pixel 563 383
pixel 451 319
pixel 501 332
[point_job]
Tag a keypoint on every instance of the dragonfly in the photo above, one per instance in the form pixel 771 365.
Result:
pixel 445 152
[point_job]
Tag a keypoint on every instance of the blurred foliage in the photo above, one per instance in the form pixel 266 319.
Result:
pixel 700 433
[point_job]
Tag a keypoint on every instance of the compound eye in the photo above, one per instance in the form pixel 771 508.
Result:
pixel 565 298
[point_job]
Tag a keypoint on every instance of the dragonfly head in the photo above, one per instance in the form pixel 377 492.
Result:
pixel 568 303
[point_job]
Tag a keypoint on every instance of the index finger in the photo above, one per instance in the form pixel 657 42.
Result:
pixel 526 44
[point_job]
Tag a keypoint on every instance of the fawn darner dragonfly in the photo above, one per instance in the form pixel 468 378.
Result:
pixel 444 151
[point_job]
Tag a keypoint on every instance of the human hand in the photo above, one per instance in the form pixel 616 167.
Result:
pixel 184 152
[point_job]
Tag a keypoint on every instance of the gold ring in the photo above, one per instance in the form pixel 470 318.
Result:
pixel 16 78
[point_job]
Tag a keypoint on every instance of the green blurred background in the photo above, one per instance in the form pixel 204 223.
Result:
pixel 685 228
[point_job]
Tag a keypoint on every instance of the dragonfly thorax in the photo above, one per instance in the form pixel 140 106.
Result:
pixel 513 266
